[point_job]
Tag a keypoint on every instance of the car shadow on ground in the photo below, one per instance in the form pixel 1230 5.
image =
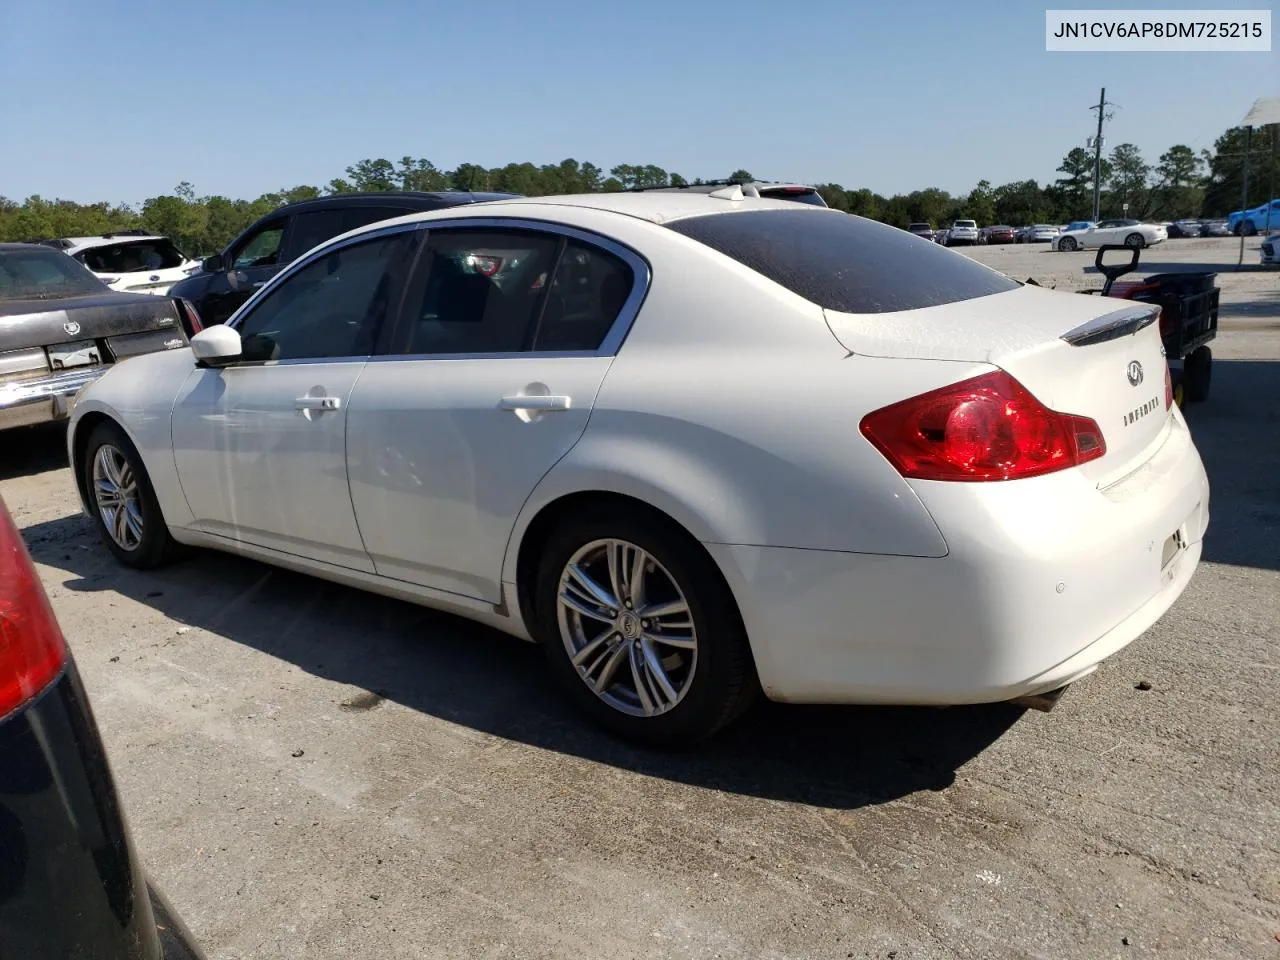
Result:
pixel 32 450
pixel 447 667
pixel 1237 431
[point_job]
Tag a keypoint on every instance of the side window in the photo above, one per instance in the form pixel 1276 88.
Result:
pixel 333 307
pixel 478 291
pixel 262 248
pixel 587 293
pixel 312 229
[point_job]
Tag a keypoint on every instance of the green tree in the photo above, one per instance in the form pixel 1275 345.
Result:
pixel 1129 183
pixel 470 176
pixel 1180 187
pixel 420 174
pixel 741 176
pixel 1076 185
pixel 373 175
pixel 981 204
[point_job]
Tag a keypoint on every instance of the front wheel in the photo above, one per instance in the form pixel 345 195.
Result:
pixel 122 501
pixel 1135 240
pixel 1068 244
pixel 641 630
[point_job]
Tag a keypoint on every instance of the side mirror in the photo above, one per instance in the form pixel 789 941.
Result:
pixel 216 346
pixel 213 264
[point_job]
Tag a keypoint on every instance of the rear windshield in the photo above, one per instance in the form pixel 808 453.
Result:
pixel 798 194
pixel 132 256
pixel 842 262
pixel 966 223
pixel 35 273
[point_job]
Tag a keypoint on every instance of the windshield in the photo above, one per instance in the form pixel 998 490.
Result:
pixel 36 273
pixel 133 256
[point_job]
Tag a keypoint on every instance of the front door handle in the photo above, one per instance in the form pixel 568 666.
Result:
pixel 318 403
pixel 539 403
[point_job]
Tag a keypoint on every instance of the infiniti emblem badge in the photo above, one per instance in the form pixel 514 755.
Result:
pixel 1135 373
pixel 71 327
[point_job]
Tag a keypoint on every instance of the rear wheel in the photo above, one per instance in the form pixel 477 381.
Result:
pixel 1068 244
pixel 1135 240
pixel 1197 373
pixel 640 629
pixel 122 501
pixel 1248 229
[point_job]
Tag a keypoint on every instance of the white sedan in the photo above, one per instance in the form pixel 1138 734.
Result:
pixel 696 446
pixel 1129 233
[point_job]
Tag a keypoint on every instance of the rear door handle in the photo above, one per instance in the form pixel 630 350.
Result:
pixel 318 403
pixel 260 283
pixel 536 403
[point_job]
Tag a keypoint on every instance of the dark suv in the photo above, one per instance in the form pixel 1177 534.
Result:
pixel 228 279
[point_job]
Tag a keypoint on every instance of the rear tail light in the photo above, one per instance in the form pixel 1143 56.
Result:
pixel 191 321
pixel 1168 386
pixel 32 651
pixel 486 266
pixel 986 428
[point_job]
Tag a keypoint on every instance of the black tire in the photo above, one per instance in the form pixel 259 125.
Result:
pixel 1248 228
pixel 1197 374
pixel 155 546
pixel 722 683
pixel 1135 240
pixel 1067 244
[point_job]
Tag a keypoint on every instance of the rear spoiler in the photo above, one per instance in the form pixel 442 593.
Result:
pixel 1112 326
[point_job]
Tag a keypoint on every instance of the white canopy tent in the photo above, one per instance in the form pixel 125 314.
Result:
pixel 1265 111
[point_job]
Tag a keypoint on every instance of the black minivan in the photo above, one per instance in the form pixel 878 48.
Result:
pixel 228 279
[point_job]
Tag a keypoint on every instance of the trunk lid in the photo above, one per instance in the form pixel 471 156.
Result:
pixel 1111 369
pixel 96 317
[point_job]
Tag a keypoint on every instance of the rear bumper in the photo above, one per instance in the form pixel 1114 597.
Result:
pixel 1044 579
pixel 38 401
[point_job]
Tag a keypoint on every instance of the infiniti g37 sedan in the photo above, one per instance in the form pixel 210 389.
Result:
pixel 697 446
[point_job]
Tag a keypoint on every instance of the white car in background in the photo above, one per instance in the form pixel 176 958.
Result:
pixel 1270 250
pixel 1129 233
pixel 132 261
pixel 976 490
pixel 962 231
pixel 1040 233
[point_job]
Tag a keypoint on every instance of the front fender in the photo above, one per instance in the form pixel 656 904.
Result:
pixel 138 395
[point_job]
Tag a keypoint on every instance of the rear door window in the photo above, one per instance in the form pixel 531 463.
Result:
pixel 312 229
pixel 477 291
pixel 842 262
pixel 587 293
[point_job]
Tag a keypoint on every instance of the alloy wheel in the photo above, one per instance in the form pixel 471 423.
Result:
pixel 627 627
pixel 115 490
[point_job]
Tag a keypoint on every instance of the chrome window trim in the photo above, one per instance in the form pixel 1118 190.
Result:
pixel 642 277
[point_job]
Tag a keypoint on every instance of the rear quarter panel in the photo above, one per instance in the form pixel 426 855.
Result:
pixel 732 408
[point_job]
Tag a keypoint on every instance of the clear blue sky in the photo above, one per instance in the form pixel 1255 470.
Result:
pixel 120 101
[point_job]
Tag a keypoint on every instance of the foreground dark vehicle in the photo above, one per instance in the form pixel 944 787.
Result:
pixel 70 882
pixel 228 279
pixel 61 328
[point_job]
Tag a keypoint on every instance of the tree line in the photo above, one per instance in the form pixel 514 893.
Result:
pixel 1181 183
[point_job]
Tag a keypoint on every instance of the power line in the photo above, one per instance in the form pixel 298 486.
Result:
pixel 1103 115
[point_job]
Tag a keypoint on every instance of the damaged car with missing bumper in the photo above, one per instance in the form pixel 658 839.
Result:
pixel 61 328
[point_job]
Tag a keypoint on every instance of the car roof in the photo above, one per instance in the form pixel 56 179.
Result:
pixel 11 247
pixel 76 244
pixel 422 200
pixel 656 206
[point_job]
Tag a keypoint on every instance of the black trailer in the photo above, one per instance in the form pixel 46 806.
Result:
pixel 1188 316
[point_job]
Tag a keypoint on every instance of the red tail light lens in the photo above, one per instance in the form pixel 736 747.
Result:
pixel 1168 387
pixel 32 650
pixel 193 322
pixel 486 266
pixel 987 428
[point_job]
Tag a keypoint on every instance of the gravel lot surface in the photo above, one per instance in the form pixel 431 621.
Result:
pixel 314 772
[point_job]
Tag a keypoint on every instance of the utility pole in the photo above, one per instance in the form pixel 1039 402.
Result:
pixel 1097 150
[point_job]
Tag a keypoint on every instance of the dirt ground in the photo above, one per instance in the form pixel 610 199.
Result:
pixel 314 772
